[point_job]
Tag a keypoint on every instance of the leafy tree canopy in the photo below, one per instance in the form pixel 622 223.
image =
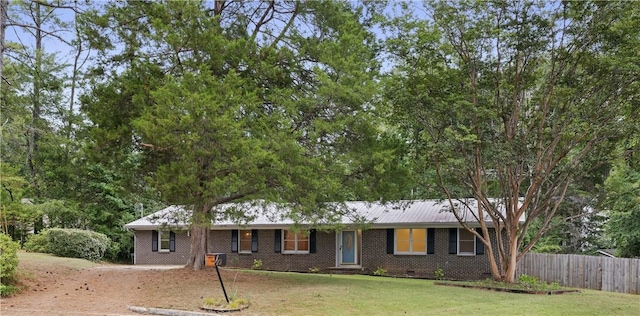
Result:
pixel 230 101
pixel 513 101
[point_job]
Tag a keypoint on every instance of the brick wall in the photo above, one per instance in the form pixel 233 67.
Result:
pixel 374 254
pixel 220 241
pixel 144 255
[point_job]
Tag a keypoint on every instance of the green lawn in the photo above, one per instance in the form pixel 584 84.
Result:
pixel 281 293
pixel 320 294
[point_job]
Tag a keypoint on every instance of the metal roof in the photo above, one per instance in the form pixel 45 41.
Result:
pixel 432 213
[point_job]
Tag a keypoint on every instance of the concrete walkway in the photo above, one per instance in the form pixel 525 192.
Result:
pixel 167 312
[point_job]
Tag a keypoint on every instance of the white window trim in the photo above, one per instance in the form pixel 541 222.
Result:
pixel 160 234
pixel 474 245
pixel 296 251
pixel 240 241
pixel 411 252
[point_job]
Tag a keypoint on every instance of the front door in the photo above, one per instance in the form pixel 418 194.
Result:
pixel 348 247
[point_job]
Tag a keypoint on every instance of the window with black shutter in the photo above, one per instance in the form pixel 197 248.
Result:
pixel 431 235
pixel 453 241
pixel 277 241
pixel 172 242
pixel 254 240
pixel 390 240
pixel 234 240
pixel 154 241
pixel 479 244
pixel 312 241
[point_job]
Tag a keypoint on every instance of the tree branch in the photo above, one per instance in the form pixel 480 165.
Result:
pixel 41 30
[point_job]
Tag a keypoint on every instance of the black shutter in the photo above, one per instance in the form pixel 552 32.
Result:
pixel 234 240
pixel 479 244
pixel 154 240
pixel 453 240
pixel 431 232
pixel 312 241
pixel 254 240
pixel 277 241
pixel 390 240
pixel 172 242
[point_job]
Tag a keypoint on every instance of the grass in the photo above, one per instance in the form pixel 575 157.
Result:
pixel 282 293
pixel 34 259
pixel 321 294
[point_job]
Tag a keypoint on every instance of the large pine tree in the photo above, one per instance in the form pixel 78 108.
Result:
pixel 233 101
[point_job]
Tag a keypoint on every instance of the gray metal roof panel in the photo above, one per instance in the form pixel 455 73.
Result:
pixel 417 212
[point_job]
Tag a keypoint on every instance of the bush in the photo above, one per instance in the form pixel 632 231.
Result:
pixel 380 271
pixel 38 243
pixel 528 281
pixel 8 263
pixel 77 243
pixel 257 264
pixel 8 290
pixel 439 273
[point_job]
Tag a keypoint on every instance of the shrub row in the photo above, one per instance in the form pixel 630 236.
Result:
pixel 73 243
pixel 38 243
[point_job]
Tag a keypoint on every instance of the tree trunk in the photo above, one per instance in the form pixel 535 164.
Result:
pixel 512 262
pixel 35 127
pixel 495 270
pixel 201 222
pixel 198 247
pixel 4 7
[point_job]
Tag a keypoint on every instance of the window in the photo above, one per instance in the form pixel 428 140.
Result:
pixel 245 240
pixel 411 241
pixel 295 242
pixel 165 240
pixel 466 242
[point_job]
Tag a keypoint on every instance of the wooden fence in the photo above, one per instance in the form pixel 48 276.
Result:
pixel 587 272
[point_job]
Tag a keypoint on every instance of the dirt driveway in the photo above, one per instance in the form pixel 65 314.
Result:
pixel 54 289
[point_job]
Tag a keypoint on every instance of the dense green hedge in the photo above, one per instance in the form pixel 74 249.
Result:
pixel 74 243
pixel 38 243
pixel 8 263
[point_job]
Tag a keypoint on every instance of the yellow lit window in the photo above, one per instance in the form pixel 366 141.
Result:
pixel 411 241
pixel 245 240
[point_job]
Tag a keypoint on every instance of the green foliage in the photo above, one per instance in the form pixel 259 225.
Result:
pixel 577 228
pixel 439 273
pixel 8 264
pixel 622 202
pixel 8 255
pixel 504 112
pixel 314 270
pixel 227 112
pixel 380 271
pixel 234 303
pixel 548 245
pixel 208 301
pixel 8 290
pixel 76 243
pixel 38 243
pixel 106 199
pixel 257 264
pixel 239 302
pixel 527 280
